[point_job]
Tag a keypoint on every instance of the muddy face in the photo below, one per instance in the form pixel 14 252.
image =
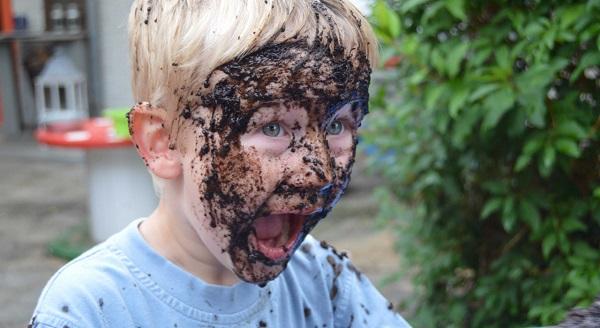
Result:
pixel 274 137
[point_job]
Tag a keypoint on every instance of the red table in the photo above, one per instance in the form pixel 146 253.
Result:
pixel 120 189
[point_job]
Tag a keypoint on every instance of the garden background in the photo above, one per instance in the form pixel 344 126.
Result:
pixel 482 146
pixel 484 126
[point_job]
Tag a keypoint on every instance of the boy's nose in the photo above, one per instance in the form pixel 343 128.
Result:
pixel 312 166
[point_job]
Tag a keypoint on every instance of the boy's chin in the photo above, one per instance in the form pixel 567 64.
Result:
pixel 260 273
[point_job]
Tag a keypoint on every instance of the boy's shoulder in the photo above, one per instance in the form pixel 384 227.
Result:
pixel 79 293
pixel 319 259
pixel 330 282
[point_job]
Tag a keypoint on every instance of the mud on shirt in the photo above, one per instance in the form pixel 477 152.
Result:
pixel 122 282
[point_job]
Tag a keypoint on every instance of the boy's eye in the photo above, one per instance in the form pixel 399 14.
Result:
pixel 272 129
pixel 336 127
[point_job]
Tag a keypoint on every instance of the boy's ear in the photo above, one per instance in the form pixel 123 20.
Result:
pixel 147 125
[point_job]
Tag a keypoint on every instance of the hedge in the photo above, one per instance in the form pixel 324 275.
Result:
pixel 486 129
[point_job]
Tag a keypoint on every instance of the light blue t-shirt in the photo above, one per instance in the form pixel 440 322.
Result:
pixel 122 282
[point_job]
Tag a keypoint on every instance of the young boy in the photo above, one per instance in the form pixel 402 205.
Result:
pixel 247 120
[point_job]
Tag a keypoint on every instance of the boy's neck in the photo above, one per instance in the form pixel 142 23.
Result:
pixel 173 238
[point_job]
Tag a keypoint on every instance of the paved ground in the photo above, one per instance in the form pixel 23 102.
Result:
pixel 43 193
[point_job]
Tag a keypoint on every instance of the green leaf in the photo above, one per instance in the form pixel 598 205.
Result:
pixel 419 76
pixel 574 293
pixel 522 162
pixel 549 156
pixel 587 60
pixel 387 19
pixel 568 147
pixel 597 192
pixel 509 217
pixel 459 97
pixel 548 244
pixel 491 206
pixel 530 214
pixel 533 102
pixel 496 104
pixel 496 187
pixel 479 56
pixel 533 29
pixel 433 94
pixel 570 15
pixel 430 12
pixel 549 37
pixel 539 75
pixel 582 249
pixel 570 129
pixel 438 61
pixel 457 8
pixel 563 242
pixel 532 146
pixel 463 126
pixel 411 4
pixel 483 90
pixel 503 58
pixel 395 26
pixel 572 224
pixel 455 57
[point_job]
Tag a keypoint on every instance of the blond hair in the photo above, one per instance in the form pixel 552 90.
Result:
pixel 176 44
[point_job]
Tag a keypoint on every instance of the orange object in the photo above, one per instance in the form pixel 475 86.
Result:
pixel 91 133
pixel 7 24
pixel 392 62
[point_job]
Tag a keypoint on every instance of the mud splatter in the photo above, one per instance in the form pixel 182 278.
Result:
pixel 365 309
pixel 307 312
pixel 306 248
pixel 353 269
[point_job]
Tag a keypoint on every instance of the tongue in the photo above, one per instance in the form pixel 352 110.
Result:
pixel 268 227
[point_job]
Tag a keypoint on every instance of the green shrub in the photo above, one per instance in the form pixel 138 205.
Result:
pixel 487 126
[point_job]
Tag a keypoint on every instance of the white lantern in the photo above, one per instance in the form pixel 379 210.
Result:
pixel 60 91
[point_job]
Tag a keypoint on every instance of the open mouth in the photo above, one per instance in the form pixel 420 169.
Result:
pixel 275 235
